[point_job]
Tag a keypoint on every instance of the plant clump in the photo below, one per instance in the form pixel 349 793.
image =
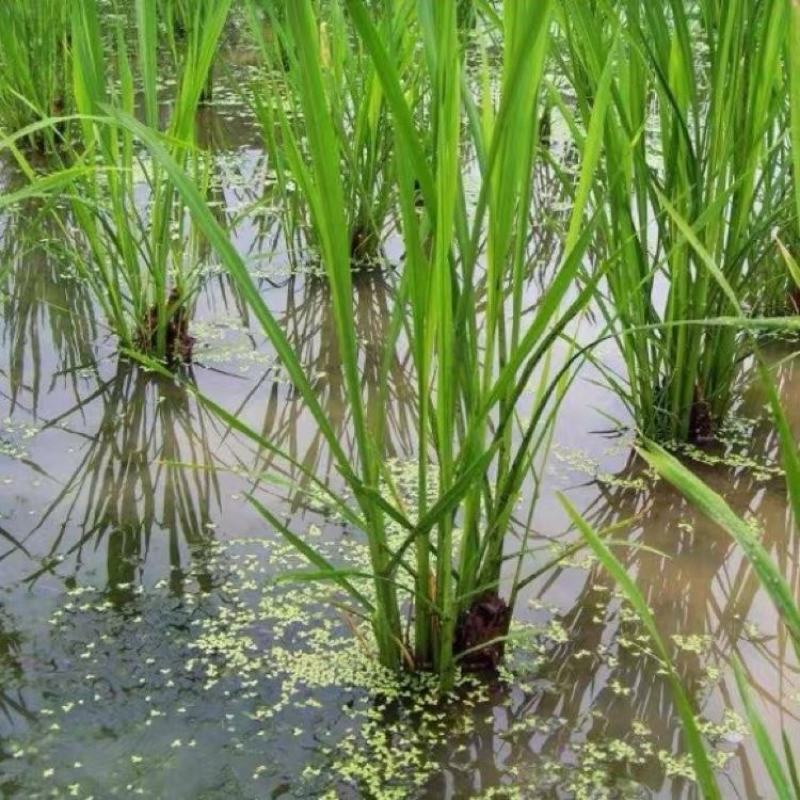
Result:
pixel 178 343
pixel 481 632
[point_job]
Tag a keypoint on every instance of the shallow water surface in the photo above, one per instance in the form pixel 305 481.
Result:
pixel 148 647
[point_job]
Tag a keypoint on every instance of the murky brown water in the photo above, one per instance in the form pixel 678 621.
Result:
pixel 127 545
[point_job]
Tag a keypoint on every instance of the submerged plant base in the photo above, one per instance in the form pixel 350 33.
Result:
pixel 701 423
pixel 178 343
pixel 481 632
pixel 363 249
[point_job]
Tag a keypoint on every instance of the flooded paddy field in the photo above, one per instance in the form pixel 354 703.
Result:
pixel 148 646
pixel 158 638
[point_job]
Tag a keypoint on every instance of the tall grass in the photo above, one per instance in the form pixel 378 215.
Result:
pixel 143 257
pixel 698 97
pixel 780 760
pixel 443 560
pixel 34 66
pixel 361 129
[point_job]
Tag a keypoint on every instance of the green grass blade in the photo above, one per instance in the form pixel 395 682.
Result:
pixel 693 737
pixel 793 50
pixel 769 757
pixel 715 508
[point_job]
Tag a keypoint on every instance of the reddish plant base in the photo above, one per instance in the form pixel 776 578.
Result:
pixel 701 424
pixel 179 343
pixel 478 631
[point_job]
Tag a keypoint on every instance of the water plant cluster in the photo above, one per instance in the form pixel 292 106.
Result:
pixel 678 174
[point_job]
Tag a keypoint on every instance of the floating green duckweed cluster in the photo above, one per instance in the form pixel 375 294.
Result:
pixel 264 671
pixel 581 462
pixel 14 438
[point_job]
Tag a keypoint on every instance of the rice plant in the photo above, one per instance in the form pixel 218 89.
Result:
pixel 698 96
pixel 474 358
pixel 780 760
pixel 143 258
pixel 183 22
pixel 362 129
pixel 34 66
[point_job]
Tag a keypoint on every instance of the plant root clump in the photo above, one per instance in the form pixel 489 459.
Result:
pixel 480 633
pixel 363 246
pixel 179 342
pixel 701 423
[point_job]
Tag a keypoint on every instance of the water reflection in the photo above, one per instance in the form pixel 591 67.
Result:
pixel 146 479
pixel 48 328
pixel 307 318
pixel 12 699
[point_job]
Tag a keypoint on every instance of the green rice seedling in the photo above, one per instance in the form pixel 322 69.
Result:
pixel 694 111
pixel 34 66
pixel 362 128
pixel 142 257
pixel 794 97
pixel 176 17
pixel 794 118
pixel 488 378
pixel 774 291
pixel 183 22
pixel 781 761
pixel 783 767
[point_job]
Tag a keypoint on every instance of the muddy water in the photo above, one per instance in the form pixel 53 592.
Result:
pixel 146 647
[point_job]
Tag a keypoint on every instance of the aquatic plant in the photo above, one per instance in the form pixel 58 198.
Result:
pixel 142 256
pixel 442 561
pixel 362 140
pixel 783 768
pixel 698 95
pixel 34 66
